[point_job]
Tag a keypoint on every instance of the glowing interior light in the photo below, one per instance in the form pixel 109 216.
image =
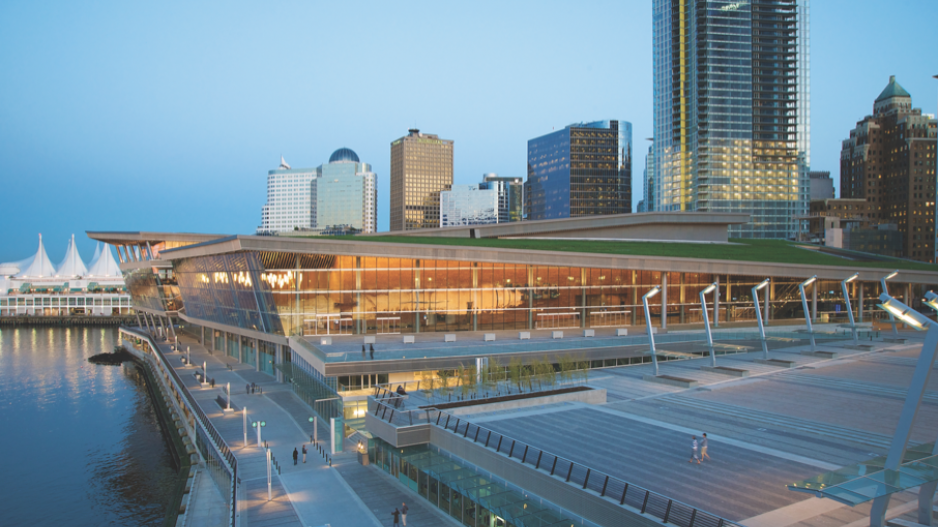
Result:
pixel 763 284
pixel 852 278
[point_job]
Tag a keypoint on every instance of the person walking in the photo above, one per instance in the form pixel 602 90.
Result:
pixel 404 514
pixel 693 448
pixel 213 382
pixel 395 515
pixel 295 455
pixel 371 349
pixel 703 447
pixel 363 352
pixel 247 389
pixel 304 453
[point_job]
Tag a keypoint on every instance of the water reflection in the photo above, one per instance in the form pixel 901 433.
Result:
pixel 81 443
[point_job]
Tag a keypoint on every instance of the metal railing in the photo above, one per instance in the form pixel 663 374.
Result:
pixel 663 508
pixel 220 456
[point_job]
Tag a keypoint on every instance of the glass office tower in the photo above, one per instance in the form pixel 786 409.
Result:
pixel 345 194
pixel 421 167
pixel 584 169
pixel 732 110
pixel 468 205
pixel 289 205
pixel 510 196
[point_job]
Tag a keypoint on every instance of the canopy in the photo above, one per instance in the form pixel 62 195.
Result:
pixel 72 265
pixel 105 266
pixel 97 254
pixel 40 266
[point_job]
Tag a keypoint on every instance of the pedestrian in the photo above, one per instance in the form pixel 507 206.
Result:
pixel 295 455
pixel 304 453
pixel 213 382
pixel 404 514
pixel 247 389
pixel 363 351
pixel 253 388
pixel 395 515
pixel 371 349
pixel 703 447
pixel 693 453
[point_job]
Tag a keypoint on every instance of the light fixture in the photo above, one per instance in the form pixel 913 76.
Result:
pixel 762 284
pixel 852 278
pixel 904 313
pixel 654 291
pixel 709 289
pixel 891 275
pixel 931 300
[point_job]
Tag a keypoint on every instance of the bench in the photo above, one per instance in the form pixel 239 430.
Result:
pixel 589 332
pixel 408 339
pixel 449 337
pixel 488 337
pixel 556 334
pixel 524 335
pixel 325 341
pixel 622 332
pixel 369 340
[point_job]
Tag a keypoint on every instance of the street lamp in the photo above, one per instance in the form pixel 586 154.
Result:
pixel 853 325
pixel 931 300
pixel 269 476
pixel 892 319
pixel 228 406
pixel 258 425
pixel 755 299
pixel 244 420
pixel 651 337
pixel 703 308
pixel 807 314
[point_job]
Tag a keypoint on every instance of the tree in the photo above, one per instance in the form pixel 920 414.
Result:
pixel 429 387
pixel 515 372
pixel 444 376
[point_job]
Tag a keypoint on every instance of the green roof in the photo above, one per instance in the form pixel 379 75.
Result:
pixel 892 90
pixel 775 251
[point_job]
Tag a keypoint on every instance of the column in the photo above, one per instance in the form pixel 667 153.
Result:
pixel 729 296
pixel 664 300
pixel 139 325
pixel 716 304
pixel 474 296
pixel 683 299
pixel 814 288
pixel 634 298
pixel 257 356
pixel 227 351
pixel 530 298
pixel 769 296
pixel 583 297
pixel 417 295
pixel 860 303
pixel 359 322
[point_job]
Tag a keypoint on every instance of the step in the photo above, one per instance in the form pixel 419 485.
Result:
pixel 726 370
pixel 671 380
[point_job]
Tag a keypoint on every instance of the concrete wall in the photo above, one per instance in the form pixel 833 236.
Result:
pixel 586 396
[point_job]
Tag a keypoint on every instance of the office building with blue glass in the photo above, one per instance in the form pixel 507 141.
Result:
pixel 584 169
pixel 732 110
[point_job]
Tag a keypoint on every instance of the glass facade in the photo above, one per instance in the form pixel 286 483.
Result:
pixel 467 495
pixel 510 196
pixel 293 294
pixel 732 110
pixel 468 205
pixel 584 169
pixel 153 290
pixel 345 196
pixel 289 200
pixel 421 168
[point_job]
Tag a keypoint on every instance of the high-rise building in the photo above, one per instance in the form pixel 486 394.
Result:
pixel 334 198
pixel 468 205
pixel 731 110
pixel 345 194
pixel 289 200
pixel 648 179
pixel 583 169
pixel 889 160
pixel 421 167
pixel 821 184
pixel 510 196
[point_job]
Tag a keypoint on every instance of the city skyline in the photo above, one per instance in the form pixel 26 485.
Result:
pixel 209 108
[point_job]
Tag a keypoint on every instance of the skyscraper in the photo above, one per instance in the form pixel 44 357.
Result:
pixel 421 167
pixel 648 179
pixel 510 196
pixel 289 200
pixel 889 160
pixel 583 169
pixel 336 197
pixel 468 205
pixel 345 194
pixel 731 110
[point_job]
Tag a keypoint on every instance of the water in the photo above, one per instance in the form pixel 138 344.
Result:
pixel 80 443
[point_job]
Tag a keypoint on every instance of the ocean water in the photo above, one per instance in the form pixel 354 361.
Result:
pixel 80 443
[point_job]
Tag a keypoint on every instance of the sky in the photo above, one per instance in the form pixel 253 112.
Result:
pixel 166 116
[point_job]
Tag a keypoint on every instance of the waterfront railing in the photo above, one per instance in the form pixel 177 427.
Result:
pixel 221 462
pixel 659 506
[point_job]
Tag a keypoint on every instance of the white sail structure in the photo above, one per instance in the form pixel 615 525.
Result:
pixel 97 254
pixel 105 266
pixel 11 268
pixel 40 267
pixel 72 266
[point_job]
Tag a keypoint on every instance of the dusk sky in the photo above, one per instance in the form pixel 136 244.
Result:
pixel 167 116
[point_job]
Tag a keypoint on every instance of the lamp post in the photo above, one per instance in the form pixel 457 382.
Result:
pixel 853 325
pixel 892 319
pixel 188 357
pixel 228 390
pixel 258 425
pixel 651 337
pixel 315 429
pixel 755 299
pixel 913 401
pixel 807 314
pixel 244 420
pixel 269 493
pixel 204 373
pixel 703 309
pixel 931 300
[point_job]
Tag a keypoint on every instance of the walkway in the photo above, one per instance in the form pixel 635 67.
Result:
pixel 307 494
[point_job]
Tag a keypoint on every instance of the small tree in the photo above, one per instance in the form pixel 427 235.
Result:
pixel 515 372
pixel 468 380
pixel 429 386
pixel 444 376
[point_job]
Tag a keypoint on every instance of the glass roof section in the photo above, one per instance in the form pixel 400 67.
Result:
pixel 856 484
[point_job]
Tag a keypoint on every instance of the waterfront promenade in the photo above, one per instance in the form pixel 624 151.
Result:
pixel 310 494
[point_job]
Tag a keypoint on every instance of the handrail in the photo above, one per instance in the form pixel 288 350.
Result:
pixel 666 509
pixel 211 433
